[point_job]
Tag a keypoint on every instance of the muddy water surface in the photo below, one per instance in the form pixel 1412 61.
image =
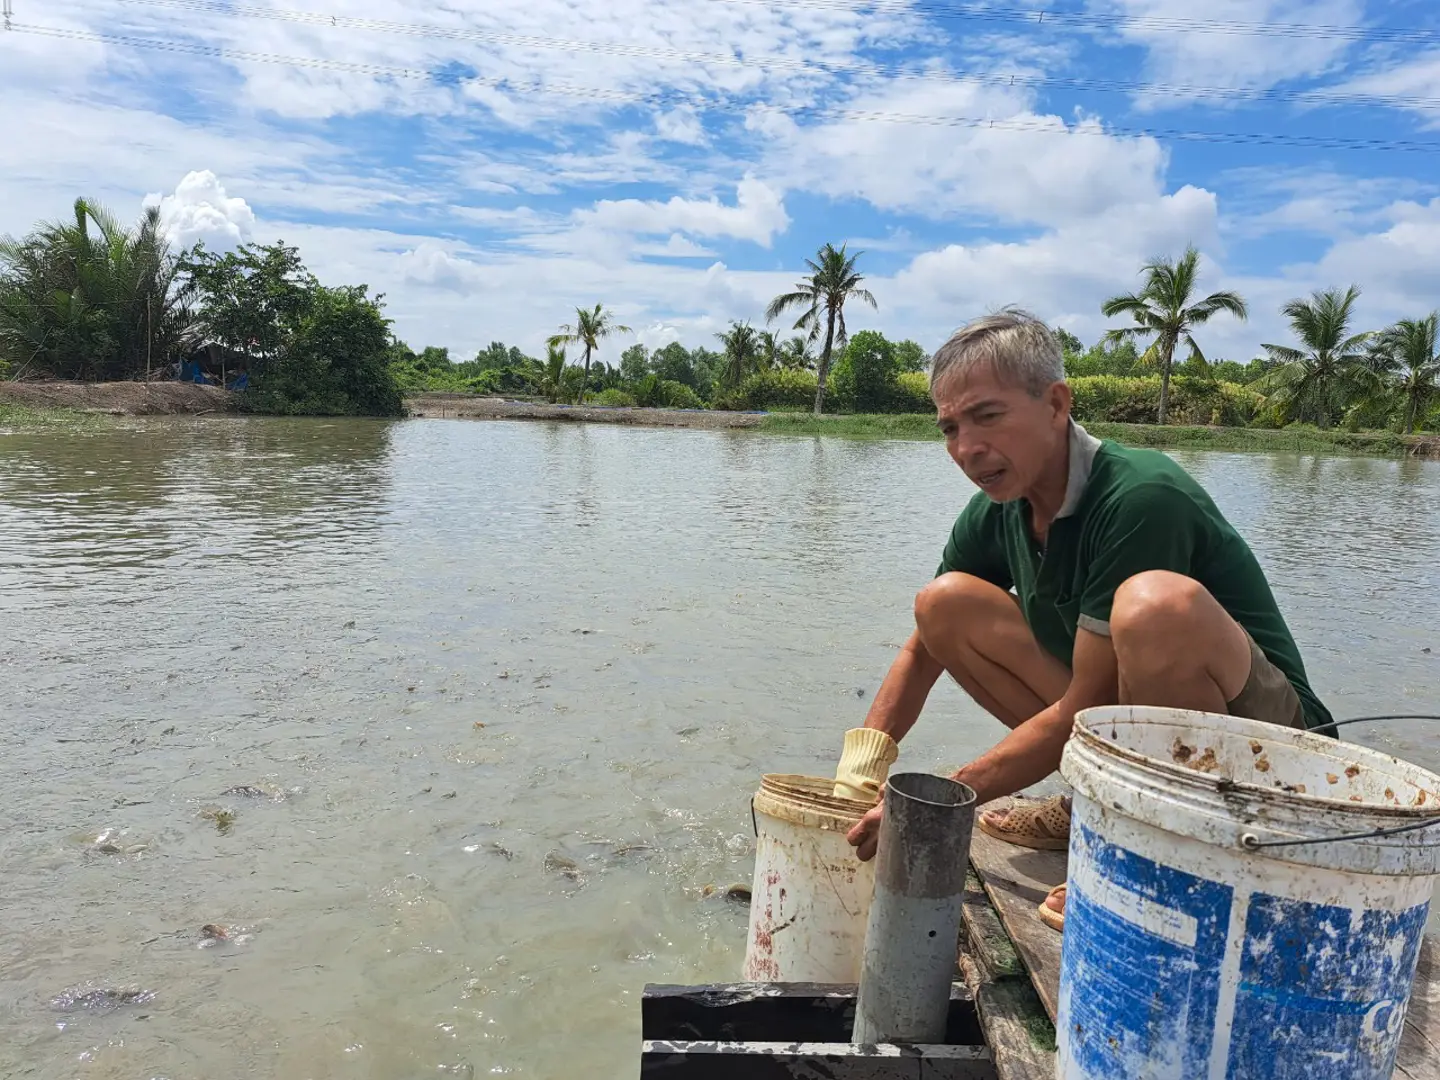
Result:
pixel 443 727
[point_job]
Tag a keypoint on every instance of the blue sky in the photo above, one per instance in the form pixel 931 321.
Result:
pixel 491 164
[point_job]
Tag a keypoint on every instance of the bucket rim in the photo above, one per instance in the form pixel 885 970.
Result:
pixel 1085 733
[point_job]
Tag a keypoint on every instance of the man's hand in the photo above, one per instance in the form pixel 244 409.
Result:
pixel 865 836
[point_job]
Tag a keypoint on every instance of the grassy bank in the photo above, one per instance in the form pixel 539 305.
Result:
pixel 46 418
pixel 1291 440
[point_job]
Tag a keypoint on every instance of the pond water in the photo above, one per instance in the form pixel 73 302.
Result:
pixel 502 691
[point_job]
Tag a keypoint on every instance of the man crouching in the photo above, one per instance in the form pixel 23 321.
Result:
pixel 1082 573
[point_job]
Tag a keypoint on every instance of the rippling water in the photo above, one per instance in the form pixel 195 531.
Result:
pixel 504 690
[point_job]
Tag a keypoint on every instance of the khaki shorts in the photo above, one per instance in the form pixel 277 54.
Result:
pixel 1267 694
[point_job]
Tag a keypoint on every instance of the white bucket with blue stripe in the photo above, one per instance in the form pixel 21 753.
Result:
pixel 1215 927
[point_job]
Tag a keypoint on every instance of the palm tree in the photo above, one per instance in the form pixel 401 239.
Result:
pixel 1408 356
pixel 742 350
pixel 552 372
pixel 89 298
pixel 795 354
pixel 832 281
pixel 590 328
pixel 768 349
pixel 1162 311
pixel 1330 371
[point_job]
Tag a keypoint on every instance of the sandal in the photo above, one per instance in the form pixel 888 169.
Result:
pixel 1048 915
pixel 1043 825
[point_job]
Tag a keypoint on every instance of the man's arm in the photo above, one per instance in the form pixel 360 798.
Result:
pixel 902 695
pixel 1032 751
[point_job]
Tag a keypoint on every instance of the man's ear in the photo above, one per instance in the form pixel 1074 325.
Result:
pixel 1061 398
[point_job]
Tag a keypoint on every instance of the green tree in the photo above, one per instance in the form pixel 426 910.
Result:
pixel 673 363
pixel 873 371
pixel 1409 356
pixel 634 363
pixel 552 373
pixel 1330 370
pixel 795 355
pixel 589 330
pixel 1120 358
pixel 322 351
pixel 1163 314
pixel 742 353
pixel 909 356
pixel 833 280
pixel 89 298
pixel 1069 343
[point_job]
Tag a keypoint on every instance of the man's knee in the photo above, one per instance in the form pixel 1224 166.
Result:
pixel 951 596
pixel 1154 607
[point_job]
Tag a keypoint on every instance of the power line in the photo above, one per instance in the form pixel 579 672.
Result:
pixel 671 98
pixel 992 78
pixel 1043 17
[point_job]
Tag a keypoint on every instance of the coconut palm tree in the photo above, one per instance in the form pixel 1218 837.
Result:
pixel 1164 314
pixel 90 298
pixel 767 349
pixel 822 295
pixel 589 329
pixel 1408 358
pixel 552 372
pixel 1332 368
pixel 742 351
pixel 795 354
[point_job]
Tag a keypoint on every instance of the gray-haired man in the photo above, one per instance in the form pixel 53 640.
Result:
pixel 1082 573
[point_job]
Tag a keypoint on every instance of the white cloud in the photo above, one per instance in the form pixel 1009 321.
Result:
pixel 1412 77
pixel 199 209
pixel 758 214
pixel 1051 174
pixel 1191 56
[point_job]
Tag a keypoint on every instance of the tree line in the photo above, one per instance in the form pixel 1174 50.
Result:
pixel 90 298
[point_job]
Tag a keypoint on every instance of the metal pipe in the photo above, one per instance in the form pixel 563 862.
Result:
pixel 914 926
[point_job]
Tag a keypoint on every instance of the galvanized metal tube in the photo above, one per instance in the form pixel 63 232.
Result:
pixel 914 926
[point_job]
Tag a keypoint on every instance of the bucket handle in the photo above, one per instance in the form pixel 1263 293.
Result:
pixel 753 823
pixel 1251 842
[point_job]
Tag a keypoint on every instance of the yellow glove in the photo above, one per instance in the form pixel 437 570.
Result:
pixel 864 763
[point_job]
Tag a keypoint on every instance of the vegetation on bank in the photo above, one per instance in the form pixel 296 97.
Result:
pixel 1300 438
pixel 91 299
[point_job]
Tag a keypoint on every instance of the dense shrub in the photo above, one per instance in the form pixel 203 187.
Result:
pixel 614 397
pixel 781 389
pixel 911 393
pixel 1111 398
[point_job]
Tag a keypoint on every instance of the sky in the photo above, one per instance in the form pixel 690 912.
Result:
pixel 490 165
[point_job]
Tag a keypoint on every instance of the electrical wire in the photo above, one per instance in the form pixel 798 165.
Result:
pixel 993 78
pixel 671 98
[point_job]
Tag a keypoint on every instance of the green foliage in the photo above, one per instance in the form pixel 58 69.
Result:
pixel 912 393
pixel 1120 358
pixel 322 351
pixel 1115 399
pixel 1407 359
pixel 335 363
pixel 89 298
pixel 613 397
pixel 780 389
pixel 910 357
pixel 742 353
pixel 590 328
pixel 1331 370
pixel 821 298
pixel 1164 316
pixel 653 392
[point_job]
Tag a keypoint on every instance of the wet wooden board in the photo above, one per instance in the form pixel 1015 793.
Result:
pixel 1419 1057
pixel 1016 880
pixel 1016 1027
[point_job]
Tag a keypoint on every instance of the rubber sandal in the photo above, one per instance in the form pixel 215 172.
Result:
pixel 1043 825
pixel 1050 917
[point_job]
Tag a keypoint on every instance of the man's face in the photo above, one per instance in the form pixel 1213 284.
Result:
pixel 1001 436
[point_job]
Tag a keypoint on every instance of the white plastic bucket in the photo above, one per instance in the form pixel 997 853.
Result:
pixel 811 896
pixel 1190 951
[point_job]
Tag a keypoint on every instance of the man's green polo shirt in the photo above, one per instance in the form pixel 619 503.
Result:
pixel 1125 511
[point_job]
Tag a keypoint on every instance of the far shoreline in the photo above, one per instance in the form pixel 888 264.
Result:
pixel 49 404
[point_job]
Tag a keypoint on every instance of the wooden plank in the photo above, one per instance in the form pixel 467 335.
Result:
pixel 985 935
pixel 1016 880
pixel 811 1061
pixel 1419 1056
pixel 776 1012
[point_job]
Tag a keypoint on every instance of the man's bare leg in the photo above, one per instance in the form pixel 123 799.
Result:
pixel 977 632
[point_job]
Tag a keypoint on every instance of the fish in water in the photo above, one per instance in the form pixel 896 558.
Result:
pixel 101 997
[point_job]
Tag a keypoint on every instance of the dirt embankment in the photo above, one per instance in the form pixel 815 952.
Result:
pixel 120 398
pixel 449 406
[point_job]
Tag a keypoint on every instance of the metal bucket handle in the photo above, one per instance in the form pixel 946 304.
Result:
pixel 1251 842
